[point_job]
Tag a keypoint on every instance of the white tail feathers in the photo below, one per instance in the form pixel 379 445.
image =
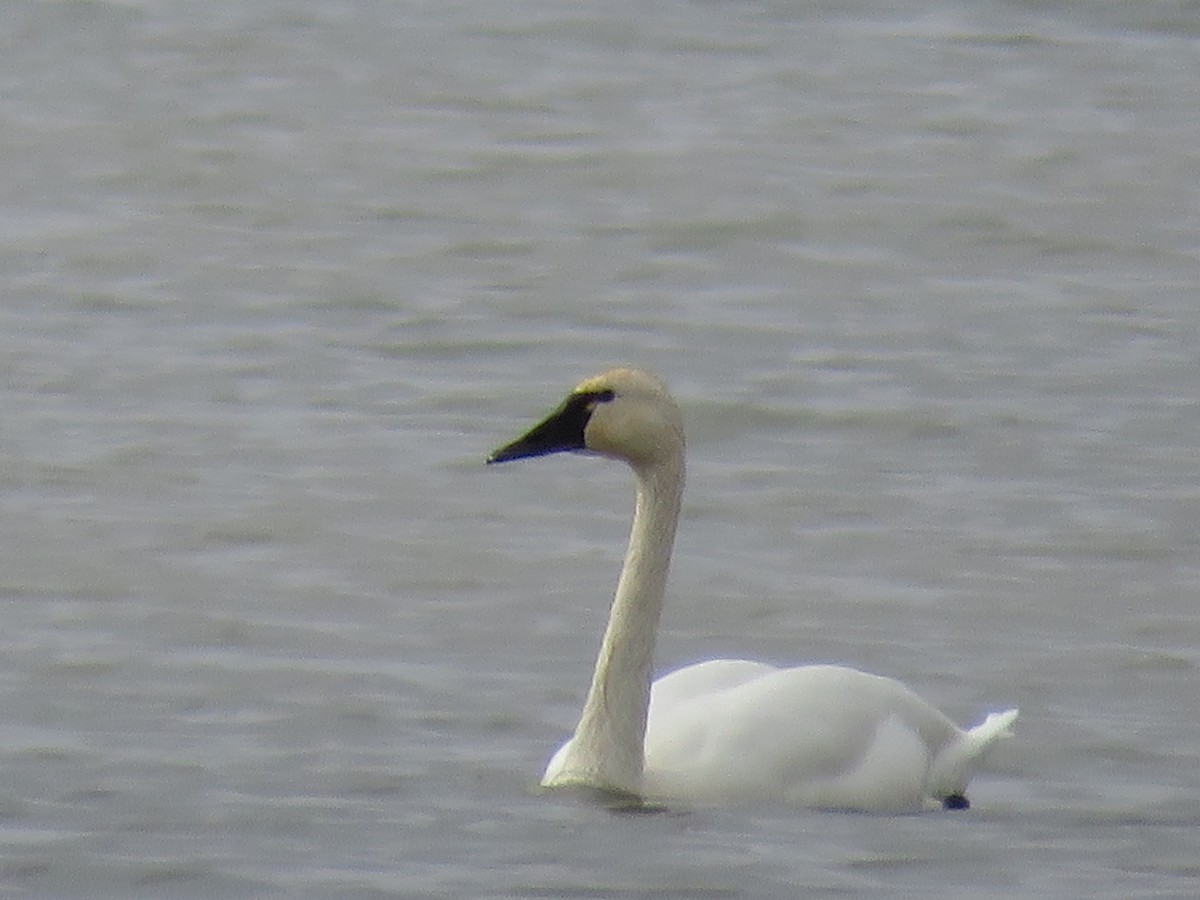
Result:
pixel 995 727
pixel 953 766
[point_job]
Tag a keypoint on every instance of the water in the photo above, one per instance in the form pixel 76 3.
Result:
pixel 277 276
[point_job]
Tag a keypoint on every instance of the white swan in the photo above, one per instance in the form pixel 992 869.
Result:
pixel 728 730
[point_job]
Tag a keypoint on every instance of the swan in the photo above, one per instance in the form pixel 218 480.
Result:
pixel 727 731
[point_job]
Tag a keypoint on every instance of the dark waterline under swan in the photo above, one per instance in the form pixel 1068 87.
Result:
pixel 728 730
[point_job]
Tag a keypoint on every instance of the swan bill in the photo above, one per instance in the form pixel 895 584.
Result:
pixel 560 432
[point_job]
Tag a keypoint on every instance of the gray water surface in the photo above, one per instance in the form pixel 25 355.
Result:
pixel 277 276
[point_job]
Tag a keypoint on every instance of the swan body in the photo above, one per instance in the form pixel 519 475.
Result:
pixel 729 730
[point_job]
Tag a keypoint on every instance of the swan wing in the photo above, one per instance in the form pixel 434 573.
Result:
pixel 824 736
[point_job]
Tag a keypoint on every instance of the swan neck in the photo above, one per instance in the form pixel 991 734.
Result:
pixel 607 749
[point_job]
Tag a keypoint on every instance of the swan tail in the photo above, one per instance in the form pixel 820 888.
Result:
pixel 995 727
pixel 953 766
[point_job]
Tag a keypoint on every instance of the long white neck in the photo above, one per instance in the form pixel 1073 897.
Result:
pixel 607 749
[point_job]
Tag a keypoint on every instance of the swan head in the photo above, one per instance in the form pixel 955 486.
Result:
pixel 625 414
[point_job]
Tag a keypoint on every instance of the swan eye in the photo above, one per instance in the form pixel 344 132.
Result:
pixel 605 396
pixel 589 400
